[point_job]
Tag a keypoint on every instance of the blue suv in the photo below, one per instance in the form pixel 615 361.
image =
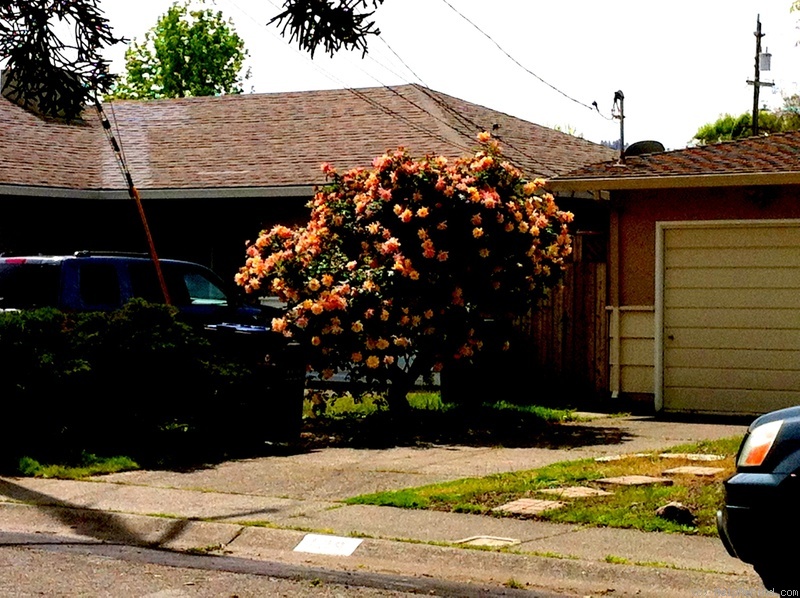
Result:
pixel 87 281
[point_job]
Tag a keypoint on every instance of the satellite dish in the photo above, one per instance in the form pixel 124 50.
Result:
pixel 644 147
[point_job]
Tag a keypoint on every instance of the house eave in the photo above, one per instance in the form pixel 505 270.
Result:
pixel 674 182
pixel 276 192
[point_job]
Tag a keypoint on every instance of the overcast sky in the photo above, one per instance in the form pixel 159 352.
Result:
pixel 679 63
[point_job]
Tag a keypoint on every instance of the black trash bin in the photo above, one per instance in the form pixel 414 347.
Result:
pixel 263 402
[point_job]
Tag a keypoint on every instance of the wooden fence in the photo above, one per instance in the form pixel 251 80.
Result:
pixel 568 333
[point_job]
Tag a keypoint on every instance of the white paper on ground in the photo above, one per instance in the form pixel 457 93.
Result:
pixel 332 545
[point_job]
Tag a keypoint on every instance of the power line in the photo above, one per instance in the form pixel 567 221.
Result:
pixel 448 108
pixel 461 118
pixel 372 101
pixel 403 62
pixel 593 107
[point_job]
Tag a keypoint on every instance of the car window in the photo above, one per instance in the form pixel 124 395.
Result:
pixel 99 285
pixel 186 285
pixel 202 290
pixel 145 285
pixel 25 286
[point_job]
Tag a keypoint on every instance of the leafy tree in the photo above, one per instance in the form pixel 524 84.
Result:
pixel 727 126
pixel 401 266
pixel 187 53
pixel 49 75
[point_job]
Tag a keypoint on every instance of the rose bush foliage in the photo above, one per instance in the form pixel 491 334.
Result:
pixel 401 264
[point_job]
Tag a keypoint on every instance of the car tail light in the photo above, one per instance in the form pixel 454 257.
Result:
pixel 758 444
pixel 14 260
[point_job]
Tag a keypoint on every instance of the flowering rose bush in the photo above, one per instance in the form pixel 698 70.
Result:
pixel 400 264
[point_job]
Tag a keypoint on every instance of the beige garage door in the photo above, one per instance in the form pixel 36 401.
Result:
pixel 731 317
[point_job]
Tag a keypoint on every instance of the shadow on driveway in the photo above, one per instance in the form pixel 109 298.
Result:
pixel 478 428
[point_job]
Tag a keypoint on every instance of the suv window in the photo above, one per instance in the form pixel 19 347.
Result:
pixel 203 291
pixel 99 285
pixel 26 286
pixel 185 285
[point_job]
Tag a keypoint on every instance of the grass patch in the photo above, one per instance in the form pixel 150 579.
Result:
pixel 627 507
pixel 332 419
pixel 428 401
pixel 546 414
pixel 88 466
pixel 205 549
pixel 721 446
pixel 514 584
pixel 335 405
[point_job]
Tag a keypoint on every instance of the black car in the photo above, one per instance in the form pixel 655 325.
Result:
pixel 759 522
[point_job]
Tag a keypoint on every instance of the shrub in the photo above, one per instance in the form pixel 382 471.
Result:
pixel 136 381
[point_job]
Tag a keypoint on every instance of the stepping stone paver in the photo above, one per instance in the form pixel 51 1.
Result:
pixel 608 458
pixel 575 492
pixel 529 506
pixel 692 456
pixel 694 470
pixel 635 480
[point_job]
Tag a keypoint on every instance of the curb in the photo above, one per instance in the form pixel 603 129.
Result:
pixel 494 568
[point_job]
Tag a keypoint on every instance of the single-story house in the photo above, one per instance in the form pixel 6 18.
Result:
pixel 213 171
pixel 703 274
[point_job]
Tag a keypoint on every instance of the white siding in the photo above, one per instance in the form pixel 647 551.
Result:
pixel 636 362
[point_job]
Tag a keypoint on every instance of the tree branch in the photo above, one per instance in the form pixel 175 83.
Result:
pixel 335 24
pixel 48 75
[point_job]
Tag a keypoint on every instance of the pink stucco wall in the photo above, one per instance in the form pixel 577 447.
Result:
pixel 640 210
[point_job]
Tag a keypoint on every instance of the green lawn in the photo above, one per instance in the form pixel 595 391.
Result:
pixel 627 507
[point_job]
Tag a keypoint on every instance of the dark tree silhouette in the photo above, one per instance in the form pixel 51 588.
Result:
pixel 56 78
pixel 334 24
pixel 45 73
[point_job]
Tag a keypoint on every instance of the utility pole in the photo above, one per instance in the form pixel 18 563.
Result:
pixel 757 83
pixel 618 111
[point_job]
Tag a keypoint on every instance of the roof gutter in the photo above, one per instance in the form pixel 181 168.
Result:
pixel 279 192
pixel 674 182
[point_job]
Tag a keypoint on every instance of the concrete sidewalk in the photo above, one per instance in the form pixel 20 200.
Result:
pixel 262 508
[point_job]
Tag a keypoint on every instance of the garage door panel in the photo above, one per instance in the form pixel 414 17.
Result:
pixel 727 258
pixel 714 400
pixel 731 315
pixel 732 379
pixel 727 338
pixel 733 297
pixel 734 359
pixel 759 319
pixel 735 278
pixel 735 237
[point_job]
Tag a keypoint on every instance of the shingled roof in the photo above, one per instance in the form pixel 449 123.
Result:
pixel 259 142
pixel 765 160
